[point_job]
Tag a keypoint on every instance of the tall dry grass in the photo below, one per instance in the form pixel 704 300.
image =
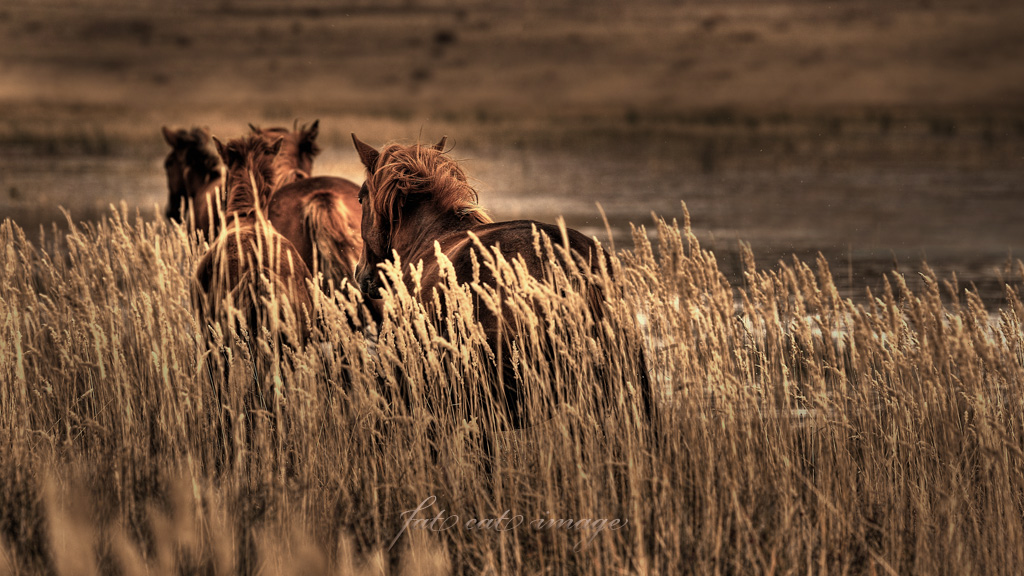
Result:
pixel 797 431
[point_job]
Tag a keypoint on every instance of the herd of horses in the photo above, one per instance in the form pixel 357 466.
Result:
pixel 268 219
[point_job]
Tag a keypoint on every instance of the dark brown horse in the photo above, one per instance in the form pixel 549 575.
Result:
pixel 416 196
pixel 320 215
pixel 195 175
pixel 249 249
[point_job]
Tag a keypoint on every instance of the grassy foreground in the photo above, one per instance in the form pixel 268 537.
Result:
pixel 799 432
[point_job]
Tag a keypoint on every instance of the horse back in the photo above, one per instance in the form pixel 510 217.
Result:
pixel 346 190
pixel 515 239
pixel 288 208
pixel 231 269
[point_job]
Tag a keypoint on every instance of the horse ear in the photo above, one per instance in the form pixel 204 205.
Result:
pixel 254 129
pixel 275 146
pixel 312 132
pixel 171 136
pixel 440 145
pixel 221 149
pixel 367 155
pixel 307 139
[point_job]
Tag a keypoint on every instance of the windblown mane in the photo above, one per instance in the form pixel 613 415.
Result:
pixel 421 172
pixel 250 163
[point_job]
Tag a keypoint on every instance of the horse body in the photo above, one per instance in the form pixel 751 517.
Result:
pixel 416 196
pixel 195 175
pixel 513 239
pixel 315 214
pixel 250 248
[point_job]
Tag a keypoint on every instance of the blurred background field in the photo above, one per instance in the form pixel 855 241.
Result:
pixel 879 133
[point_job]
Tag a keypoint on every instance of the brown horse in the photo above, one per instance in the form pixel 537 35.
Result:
pixel 298 149
pixel 249 249
pixel 416 196
pixel 195 175
pixel 318 214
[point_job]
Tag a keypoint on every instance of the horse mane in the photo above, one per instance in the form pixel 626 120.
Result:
pixel 404 172
pixel 298 149
pixel 250 163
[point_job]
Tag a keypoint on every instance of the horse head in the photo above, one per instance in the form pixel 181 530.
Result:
pixel 250 171
pixel 417 185
pixel 298 149
pixel 193 166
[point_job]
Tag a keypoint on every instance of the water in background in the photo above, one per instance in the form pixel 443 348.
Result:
pixel 869 202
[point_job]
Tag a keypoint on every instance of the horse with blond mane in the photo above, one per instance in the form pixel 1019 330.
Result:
pixel 416 197
pixel 195 175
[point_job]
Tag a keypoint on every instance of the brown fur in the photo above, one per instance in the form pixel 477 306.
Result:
pixel 195 174
pixel 245 259
pixel 250 172
pixel 299 148
pixel 319 216
pixel 415 196
pixel 250 249
pixel 403 173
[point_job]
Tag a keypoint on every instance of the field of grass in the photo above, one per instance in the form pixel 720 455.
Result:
pixel 798 432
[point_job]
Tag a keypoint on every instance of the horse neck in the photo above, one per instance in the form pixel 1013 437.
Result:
pixel 242 197
pixel 420 227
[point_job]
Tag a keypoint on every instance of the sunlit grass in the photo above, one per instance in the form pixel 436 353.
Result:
pixel 797 431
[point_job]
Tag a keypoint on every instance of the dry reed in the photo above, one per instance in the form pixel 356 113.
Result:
pixel 798 431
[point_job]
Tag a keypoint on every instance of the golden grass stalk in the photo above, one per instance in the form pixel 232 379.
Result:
pixel 798 431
